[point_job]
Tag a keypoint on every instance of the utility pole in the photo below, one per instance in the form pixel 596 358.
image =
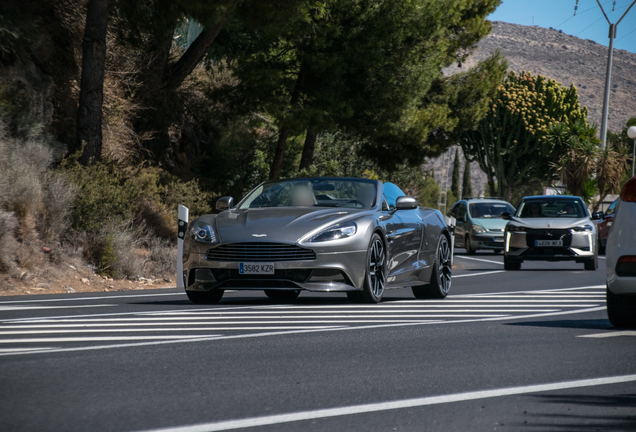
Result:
pixel 608 73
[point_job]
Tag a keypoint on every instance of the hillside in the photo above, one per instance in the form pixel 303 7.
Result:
pixel 567 59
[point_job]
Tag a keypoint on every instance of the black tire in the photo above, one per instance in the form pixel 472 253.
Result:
pixel 591 264
pixel 469 246
pixel 375 277
pixel 621 309
pixel 511 265
pixel 284 295
pixel 441 277
pixel 205 297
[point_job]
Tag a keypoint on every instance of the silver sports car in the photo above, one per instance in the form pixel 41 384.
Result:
pixel 323 234
pixel 550 228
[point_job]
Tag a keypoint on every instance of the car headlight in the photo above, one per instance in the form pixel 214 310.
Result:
pixel 336 232
pixel 478 230
pixel 515 228
pixel 583 228
pixel 203 232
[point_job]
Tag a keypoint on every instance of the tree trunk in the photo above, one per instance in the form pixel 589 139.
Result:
pixel 179 71
pixel 277 164
pixel 281 146
pixel 308 149
pixel 89 114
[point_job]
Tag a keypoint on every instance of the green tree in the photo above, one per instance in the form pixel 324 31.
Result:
pixel 510 141
pixel 467 185
pixel 372 69
pixel 455 177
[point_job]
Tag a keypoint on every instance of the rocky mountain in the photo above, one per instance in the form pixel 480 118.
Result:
pixel 565 58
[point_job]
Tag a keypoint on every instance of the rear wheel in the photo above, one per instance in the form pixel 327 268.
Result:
pixel 282 294
pixel 376 272
pixel 441 277
pixel 621 309
pixel 511 265
pixel 205 297
pixel 601 248
pixel 469 246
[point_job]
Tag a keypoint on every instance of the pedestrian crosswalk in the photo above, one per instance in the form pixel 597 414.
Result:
pixel 190 324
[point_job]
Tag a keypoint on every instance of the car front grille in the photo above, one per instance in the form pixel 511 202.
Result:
pixel 548 234
pixel 255 252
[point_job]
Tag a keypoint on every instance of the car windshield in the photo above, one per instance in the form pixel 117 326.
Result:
pixel 552 208
pixel 489 210
pixel 323 192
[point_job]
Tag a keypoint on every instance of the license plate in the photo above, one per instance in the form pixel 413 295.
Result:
pixel 498 239
pixel 548 242
pixel 256 268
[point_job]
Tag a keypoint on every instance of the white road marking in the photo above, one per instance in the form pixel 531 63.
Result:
pixel 23 350
pixel 479 259
pixel 133 330
pixel 478 274
pixel 293 332
pixel 601 257
pixel 100 339
pixel 22 308
pixel 610 334
pixel 92 298
pixel 392 405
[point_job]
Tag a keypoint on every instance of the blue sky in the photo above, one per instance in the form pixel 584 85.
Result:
pixel 589 22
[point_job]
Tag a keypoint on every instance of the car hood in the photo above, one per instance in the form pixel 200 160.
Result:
pixel 490 224
pixel 277 224
pixel 552 223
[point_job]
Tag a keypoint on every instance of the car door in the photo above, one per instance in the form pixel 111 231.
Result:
pixel 404 235
pixel 605 225
pixel 462 226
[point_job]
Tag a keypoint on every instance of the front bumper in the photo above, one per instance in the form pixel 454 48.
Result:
pixel 579 247
pixel 328 272
pixel 487 241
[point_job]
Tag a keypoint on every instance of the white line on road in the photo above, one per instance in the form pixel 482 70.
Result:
pixel 101 339
pixel 478 274
pixel 92 298
pixel 401 404
pixel 479 259
pixel 23 308
pixel 133 330
pixel 610 334
pixel 305 331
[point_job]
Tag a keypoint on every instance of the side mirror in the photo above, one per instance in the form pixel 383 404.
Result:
pixel 506 216
pixel 225 203
pixel 405 203
pixel 597 215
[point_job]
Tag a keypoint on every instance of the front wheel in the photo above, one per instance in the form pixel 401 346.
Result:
pixel 375 277
pixel 511 265
pixel 591 264
pixel 441 277
pixel 205 297
pixel 285 295
pixel 469 246
pixel 621 309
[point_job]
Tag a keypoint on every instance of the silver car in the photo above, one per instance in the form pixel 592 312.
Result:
pixel 550 228
pixel 323 234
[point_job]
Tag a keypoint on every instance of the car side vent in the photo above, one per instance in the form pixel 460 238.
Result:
pixel 255 252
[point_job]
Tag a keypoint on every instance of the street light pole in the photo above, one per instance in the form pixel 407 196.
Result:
pixel 608 74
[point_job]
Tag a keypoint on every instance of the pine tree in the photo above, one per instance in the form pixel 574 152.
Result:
pixel 455 179
pixel 467 186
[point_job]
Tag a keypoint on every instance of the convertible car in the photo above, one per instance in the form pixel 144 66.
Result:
pixel 323 234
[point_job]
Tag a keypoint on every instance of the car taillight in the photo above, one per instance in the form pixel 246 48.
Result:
pixel 628 193
pixel 626 266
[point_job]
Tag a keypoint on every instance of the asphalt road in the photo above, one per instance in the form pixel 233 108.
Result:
pixel 529 350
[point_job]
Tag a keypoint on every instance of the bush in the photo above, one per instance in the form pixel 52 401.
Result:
pixel 8 225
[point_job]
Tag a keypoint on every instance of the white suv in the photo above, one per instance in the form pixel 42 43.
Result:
pixel 621 260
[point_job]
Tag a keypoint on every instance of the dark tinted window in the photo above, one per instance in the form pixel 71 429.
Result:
pixel 611 208
pixel 552 208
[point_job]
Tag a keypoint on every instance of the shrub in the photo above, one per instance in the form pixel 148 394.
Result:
pixel 8 225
